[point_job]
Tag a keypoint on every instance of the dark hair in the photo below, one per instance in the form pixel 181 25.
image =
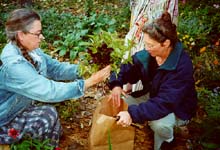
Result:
pixel 162 29
pixel 20 20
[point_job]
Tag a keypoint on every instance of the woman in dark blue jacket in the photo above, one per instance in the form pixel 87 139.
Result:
pixel 166 72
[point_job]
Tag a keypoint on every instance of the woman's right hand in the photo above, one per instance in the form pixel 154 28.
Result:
pixel 124 119
pixel 98 77
pixel 116 96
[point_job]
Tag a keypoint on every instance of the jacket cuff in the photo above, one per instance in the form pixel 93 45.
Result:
pixel 114 84
pixel 133 111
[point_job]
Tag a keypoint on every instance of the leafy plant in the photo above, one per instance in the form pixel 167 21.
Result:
pixel 88 6
pixel 210 101
pixel 56 25
pixel 68 42
pixel 207 67
pixel 72 44
pixel 209 126
pixel 104 49
pixel 97 22
pixel 200 35
pixel 4 8
pixel 32 144
pixel 193 28
pixel 67 109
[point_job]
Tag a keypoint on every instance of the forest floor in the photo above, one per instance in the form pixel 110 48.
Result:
pixel 76 131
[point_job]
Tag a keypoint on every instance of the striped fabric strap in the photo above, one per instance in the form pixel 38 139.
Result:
pixel 168 4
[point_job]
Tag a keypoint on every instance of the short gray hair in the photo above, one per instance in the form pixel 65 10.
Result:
pixel 20 20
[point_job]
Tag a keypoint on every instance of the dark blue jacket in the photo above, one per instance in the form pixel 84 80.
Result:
pixel 171 85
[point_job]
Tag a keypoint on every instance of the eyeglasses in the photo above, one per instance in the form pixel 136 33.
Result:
pixel 36 34
pixel 150 46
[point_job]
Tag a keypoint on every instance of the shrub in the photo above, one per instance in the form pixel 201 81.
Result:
pixel 208 125
pixel 200 34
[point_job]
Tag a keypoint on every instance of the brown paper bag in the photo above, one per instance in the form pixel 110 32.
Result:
pixel 104 125
pixel 4 147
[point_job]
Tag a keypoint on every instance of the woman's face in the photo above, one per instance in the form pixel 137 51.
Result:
pixel 153 47
pixel 31 39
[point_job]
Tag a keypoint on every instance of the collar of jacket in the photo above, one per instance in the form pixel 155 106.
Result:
pixel 173 58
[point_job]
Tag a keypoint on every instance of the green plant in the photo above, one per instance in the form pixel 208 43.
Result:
pixel 193 28
pixel 4 8
pixel 68 42
pixel 67 109
pixel 109 140
pixel 56 25
pixel 200 34
pixel 210 101
pixel 71 45
pixel 88 6
pixel 104 49
pixel 207 67
pixel 209 124
pixel 32 144
pixel 97 22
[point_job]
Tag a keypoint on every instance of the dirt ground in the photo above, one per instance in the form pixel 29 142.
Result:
pixel 76 132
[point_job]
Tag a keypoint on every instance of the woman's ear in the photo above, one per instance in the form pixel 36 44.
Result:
pixel 167 43
pixel 20 35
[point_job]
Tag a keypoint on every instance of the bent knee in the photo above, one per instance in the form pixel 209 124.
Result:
pixel 163 130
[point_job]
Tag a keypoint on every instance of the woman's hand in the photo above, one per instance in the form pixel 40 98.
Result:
pixel 98 77
pixel 124 119
pixel 116 96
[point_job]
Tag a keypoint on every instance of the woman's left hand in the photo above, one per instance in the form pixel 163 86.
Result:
pixel 125 119
pixel 97 77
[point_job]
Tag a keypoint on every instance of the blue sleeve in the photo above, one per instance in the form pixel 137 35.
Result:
pixel 23 79
pixel 129 73
pixel 61 70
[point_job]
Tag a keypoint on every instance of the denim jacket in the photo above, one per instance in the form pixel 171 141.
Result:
pixel 21 83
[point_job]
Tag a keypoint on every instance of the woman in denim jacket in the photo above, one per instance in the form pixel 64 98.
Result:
pixel 166 72
pixel 27 75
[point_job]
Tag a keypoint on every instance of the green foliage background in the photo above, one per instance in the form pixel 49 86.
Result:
pixel 67 24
